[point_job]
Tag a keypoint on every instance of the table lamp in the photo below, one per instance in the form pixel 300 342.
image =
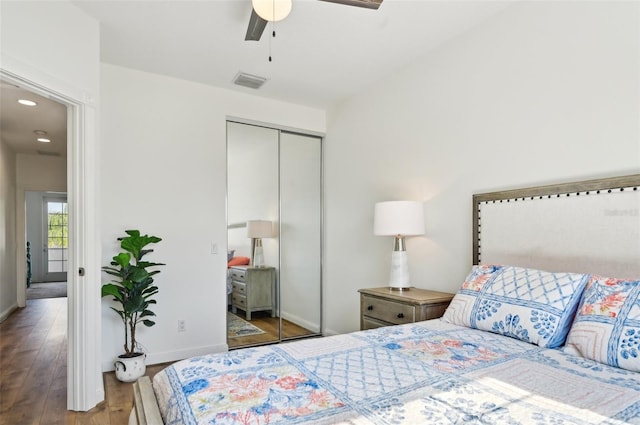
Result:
pixel 399 219
pixel 258 229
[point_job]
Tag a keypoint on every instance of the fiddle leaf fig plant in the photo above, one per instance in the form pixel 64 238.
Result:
pixel 133 288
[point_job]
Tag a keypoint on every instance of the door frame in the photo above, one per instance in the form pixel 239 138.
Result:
pixel 85 388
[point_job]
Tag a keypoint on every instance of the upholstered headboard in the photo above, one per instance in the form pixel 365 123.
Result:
pixel 589 227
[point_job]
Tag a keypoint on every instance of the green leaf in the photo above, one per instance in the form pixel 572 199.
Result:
pixel 150 291
pixel 135 243
pixel 110 289
pixel 122 259
pixel 137 274
pixel 120 313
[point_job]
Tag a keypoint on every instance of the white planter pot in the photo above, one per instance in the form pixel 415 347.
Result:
pixel 129 369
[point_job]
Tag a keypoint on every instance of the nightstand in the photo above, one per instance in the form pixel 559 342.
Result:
pixel 386 306
pixel 253 289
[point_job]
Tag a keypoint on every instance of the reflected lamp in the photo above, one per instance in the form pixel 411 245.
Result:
pixel 258 229
pixel 398 219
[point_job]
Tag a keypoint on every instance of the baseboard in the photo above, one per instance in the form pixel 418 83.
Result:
pixel 5 314
pixel 100 395
pixel 329 332
pixel 314 327
pixel 172 356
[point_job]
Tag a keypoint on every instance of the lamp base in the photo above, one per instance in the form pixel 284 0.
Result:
pixel 399 276
pixel 258 255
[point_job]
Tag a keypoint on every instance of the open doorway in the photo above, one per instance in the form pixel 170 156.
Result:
pixel 47 230
pixel 33 130
pixel 79 180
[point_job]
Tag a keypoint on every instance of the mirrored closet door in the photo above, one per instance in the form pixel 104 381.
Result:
pixel 274 221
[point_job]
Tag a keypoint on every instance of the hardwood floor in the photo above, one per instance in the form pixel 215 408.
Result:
pixel 269 324
pixel 33 372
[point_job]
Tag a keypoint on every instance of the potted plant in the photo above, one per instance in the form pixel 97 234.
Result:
pixel 132 289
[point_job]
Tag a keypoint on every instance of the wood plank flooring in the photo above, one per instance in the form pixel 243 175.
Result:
pixel 33 372
pixel 269 324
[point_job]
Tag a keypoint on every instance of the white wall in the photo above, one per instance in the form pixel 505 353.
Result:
pixel 8 297
pixel 163 171
pixel 40 172
pixel 543 92
pixel 52 41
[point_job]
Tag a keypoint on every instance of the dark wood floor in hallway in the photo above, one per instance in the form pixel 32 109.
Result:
pixel 33 372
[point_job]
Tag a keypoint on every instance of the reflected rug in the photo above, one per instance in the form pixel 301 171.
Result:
pixel 237 327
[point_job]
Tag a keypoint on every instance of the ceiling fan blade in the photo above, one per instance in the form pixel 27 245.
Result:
pixel 369 4
pixel 256 26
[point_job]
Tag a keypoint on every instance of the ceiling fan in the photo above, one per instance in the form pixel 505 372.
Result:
pixel 257 23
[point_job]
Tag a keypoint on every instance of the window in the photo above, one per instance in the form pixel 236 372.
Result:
pixel 57 236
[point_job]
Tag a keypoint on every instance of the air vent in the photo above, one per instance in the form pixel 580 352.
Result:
pixel 47 153
pixel 248 80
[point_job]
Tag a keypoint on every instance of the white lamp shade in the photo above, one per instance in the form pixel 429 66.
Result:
pixel 272 10
pixel 259 229
pixel 398 218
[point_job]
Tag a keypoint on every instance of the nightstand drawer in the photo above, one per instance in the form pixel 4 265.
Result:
pixel 369 323
pixel 238 274
pixel 385 306
pixel 239 300
pixel 239 288
pixel 387 311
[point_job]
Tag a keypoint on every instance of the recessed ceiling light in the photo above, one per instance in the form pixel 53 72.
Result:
pixel 43 140
pixel 27 102
pixel 40 132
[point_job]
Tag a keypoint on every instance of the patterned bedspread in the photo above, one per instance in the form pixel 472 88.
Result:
pixel 423 373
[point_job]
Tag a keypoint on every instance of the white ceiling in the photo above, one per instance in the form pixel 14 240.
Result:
pixel 323 52
pixel 18 122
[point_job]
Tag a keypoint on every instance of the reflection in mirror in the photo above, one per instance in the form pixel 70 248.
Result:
pixel 300 232
pixel 252 194
pixel 273 176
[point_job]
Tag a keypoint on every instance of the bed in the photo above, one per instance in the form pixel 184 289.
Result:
pixel 543 330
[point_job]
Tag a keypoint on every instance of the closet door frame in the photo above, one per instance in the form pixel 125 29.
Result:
pixel 311 134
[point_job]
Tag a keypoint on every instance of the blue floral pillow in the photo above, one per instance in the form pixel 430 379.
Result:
pixel 527 304
pixel 607 325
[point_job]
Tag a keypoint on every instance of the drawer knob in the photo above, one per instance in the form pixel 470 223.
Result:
pixel 400 315
pixel 370 308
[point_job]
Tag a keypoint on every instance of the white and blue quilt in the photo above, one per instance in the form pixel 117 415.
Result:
pixel 422 373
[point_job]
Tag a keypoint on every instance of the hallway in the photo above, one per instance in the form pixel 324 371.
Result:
pixel 33 372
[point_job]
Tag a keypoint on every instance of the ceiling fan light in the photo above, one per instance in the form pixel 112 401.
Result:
pixel 272 10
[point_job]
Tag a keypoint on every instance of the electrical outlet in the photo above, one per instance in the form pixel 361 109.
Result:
pixel 214 248
pixel 182 325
